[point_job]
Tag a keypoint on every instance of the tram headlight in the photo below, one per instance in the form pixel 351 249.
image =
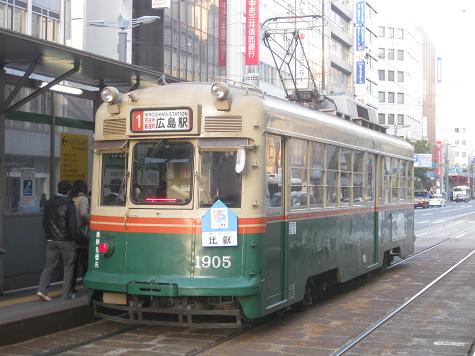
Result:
pixel 110 95
pixel 220 91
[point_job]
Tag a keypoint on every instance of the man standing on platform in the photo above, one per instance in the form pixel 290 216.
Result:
pixel 59 222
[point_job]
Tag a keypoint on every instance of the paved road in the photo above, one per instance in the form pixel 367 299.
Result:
pixel 431 217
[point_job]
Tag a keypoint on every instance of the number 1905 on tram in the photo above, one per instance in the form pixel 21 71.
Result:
pixel 215 202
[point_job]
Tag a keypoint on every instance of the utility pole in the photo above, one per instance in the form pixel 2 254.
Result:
pixel 323 45
pixel 446 171
pixel 124 25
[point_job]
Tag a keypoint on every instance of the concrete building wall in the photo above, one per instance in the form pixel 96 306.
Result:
pixel 400 79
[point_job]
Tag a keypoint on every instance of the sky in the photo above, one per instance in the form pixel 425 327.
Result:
pixel 451 26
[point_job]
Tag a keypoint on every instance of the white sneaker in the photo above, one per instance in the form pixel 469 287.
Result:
pixel 44 297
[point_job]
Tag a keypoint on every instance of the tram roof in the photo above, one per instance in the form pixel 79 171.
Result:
pixel 18 51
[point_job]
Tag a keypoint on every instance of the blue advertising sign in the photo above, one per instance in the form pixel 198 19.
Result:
pixel 219 226
pixel 360 72
pixel 360 37
pixel 360 13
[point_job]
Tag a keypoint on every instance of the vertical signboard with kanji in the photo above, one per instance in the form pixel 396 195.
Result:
pixel 222 20
pixel 360 72
pixel 360 28
pixel 252 32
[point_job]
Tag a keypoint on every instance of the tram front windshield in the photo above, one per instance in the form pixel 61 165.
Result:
pixel 161 173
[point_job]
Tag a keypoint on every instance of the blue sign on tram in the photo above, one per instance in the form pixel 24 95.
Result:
pixel 219 226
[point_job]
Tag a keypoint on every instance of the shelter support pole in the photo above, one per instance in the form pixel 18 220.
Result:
pixel 52 145
pixel 45 88
pixel 19 85
pixel 2 178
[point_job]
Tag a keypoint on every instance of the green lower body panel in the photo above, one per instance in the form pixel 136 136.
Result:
pixel 171 286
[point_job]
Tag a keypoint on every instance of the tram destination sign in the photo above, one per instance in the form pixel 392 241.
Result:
pixel 161 120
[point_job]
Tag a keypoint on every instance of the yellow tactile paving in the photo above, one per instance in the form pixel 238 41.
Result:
pixel 26 298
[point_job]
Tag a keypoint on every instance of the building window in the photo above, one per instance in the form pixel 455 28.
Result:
pixel 400 55
pixel 390 119
pixel 382 32
pixel 400 98
pixel 391 75
pixel 464 130
pixel 390 97
pixel 14 17
pixel 390 32
pixel 457 154
pixel 400 33
pixel 400 119
pixel 464 154
pixel 391 53
pixel 457 142
pixel 457 129
pixel 382 96
pixel 464 142
pixel 382 74
pixel 382 53
pixel 400 76
pixel 381 119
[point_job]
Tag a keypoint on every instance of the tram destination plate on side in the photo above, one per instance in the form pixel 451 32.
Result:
pixel 161 120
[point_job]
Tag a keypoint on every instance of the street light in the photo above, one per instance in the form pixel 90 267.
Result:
pixel 124 25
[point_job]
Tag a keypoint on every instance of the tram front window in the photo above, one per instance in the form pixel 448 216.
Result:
pixel 161 173
pixel 113 179
pixel 219 180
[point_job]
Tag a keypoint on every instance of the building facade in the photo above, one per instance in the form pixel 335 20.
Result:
pixel 400 76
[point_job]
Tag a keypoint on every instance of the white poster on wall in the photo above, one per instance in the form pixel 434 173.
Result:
pixel 27 191
pixel 160 4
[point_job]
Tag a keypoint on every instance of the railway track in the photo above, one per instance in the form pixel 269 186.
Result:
pixel 187 341
pixel 352 343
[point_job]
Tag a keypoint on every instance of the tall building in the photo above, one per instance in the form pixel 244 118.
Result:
pixel 400 69
pixel 327 41
pixel 463 145
pixel 429 88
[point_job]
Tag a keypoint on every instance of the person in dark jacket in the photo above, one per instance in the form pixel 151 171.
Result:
pixel 60 225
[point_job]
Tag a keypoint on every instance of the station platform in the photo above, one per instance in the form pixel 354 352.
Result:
pixel 24 316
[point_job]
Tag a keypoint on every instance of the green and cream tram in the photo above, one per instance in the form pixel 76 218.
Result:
pixel 316 200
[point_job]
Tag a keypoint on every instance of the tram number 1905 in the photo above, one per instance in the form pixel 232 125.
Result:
pixel 212 261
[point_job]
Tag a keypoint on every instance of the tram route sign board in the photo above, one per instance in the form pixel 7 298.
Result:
pixel 73 157
pixel 219 226
pixel 162 120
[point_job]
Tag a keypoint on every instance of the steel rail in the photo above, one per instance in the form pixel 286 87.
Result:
pixel 456 236
pixel 349 345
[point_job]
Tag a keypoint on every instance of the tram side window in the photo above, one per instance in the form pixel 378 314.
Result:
pixel 387 180
pixel 358 168
pixel 316 154
pixel 161 173
pixel 370 178
pixel 333 154
pixel 394 180
pixel 345 176
pixel 274 172
pixel 298 173
pixel 113 179
pixel 219 180
pixel 403 180
pixel 410 181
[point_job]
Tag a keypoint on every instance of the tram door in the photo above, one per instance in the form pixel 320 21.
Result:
pixel 274 239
